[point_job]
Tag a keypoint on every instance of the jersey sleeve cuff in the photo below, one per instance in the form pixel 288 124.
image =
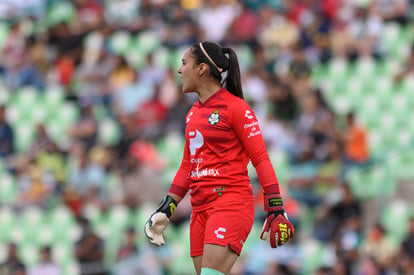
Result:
pixel 178 190
pixel 271 189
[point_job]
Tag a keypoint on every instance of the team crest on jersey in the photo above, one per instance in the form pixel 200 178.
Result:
pixel 214 118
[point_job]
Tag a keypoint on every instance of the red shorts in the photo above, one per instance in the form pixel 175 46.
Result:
pixel 225 224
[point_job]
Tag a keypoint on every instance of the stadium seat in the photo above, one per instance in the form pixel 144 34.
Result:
pixel 119 42
pixel 8 188
pixel 397 211
pixel 24 133
pixel 147 41
pixel 4 32
pixel 61 11
pixel 7 221
pixel 29 253
pixel 108 131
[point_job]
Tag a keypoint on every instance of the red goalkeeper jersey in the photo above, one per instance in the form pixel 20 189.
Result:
pixel 222 135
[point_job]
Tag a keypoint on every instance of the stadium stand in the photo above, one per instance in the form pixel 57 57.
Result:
pixel 40 203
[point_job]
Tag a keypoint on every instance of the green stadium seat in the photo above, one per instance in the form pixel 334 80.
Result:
pixel 397 211
pixel 313 253
pixel 63 225
pixel 108 131
pixel 62 11
pixel 120 42
pixel 24 133
pixel 7 221
pixel 8 188
pixel 63 255
pixel 147 41
pixel 162 57
pixel 4 33
pixel 29 253
pixel 4 94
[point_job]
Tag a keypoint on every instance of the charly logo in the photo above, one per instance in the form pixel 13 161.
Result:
pixel 248 114
pixel 218 232
pixel 188 117
pixel 214 118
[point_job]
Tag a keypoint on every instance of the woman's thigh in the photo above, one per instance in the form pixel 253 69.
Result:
pixel 217 257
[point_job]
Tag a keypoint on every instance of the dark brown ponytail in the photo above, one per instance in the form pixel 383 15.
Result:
pixel 216 57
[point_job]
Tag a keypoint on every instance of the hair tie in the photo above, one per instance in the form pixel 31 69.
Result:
pixel 209 58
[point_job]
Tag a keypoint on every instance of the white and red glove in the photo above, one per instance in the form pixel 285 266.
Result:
pixel 276 227
pixel 158 221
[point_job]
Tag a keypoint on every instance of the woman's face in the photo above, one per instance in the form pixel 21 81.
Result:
pixel 188 72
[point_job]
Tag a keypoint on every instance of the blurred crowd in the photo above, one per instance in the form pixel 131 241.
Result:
pixel 78 51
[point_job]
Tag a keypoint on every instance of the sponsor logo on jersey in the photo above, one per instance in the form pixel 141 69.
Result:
pixel 214 118
pixel 252 134
pixel 248 114
pixel 187 120
pixel 218 232
pixel 198 160
pixel 249 125
pixel 199 173
pixel 196 141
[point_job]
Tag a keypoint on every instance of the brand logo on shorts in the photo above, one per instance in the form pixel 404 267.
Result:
pixel 218 231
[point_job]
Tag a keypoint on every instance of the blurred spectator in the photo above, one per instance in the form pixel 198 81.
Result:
pixel 86 176
pixel 85 130
pixel 255 92
pixel 89 13
pixel 52 161
pixel 140 183
pixel 90 250
pixel 13 264
pixel 223 14
pixel 41 142
pixel 331 218
pixel 151 72
pixel 150 116
pixel 175 118
pixel 284 105
pixel 19 72
pixel 377 246
pixel 406 256
pixel 169 89
pixel 121 75
pixel 65 68
pixel 356 33
pixel 391 10
pixel 92 78
pixel 36 48
pixel 36 187
pixel 129 98
pixel 408 66
pixel 365 30
pixel 244 27
pixel 276 33
pixel 314 114
pixel 356 147
pixel 67 41
pixel 181 29
pixel 6 135
pixel 129 134
pixel 46 266
pixel 129 247
pixel 264 260
pixel 348 241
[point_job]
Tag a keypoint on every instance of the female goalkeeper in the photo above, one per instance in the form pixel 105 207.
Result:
pixel 222 135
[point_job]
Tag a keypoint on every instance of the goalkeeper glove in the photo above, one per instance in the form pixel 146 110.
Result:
pixel 276 226
pixel 158 221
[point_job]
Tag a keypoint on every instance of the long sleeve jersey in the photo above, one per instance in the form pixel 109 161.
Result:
pixel 222 135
